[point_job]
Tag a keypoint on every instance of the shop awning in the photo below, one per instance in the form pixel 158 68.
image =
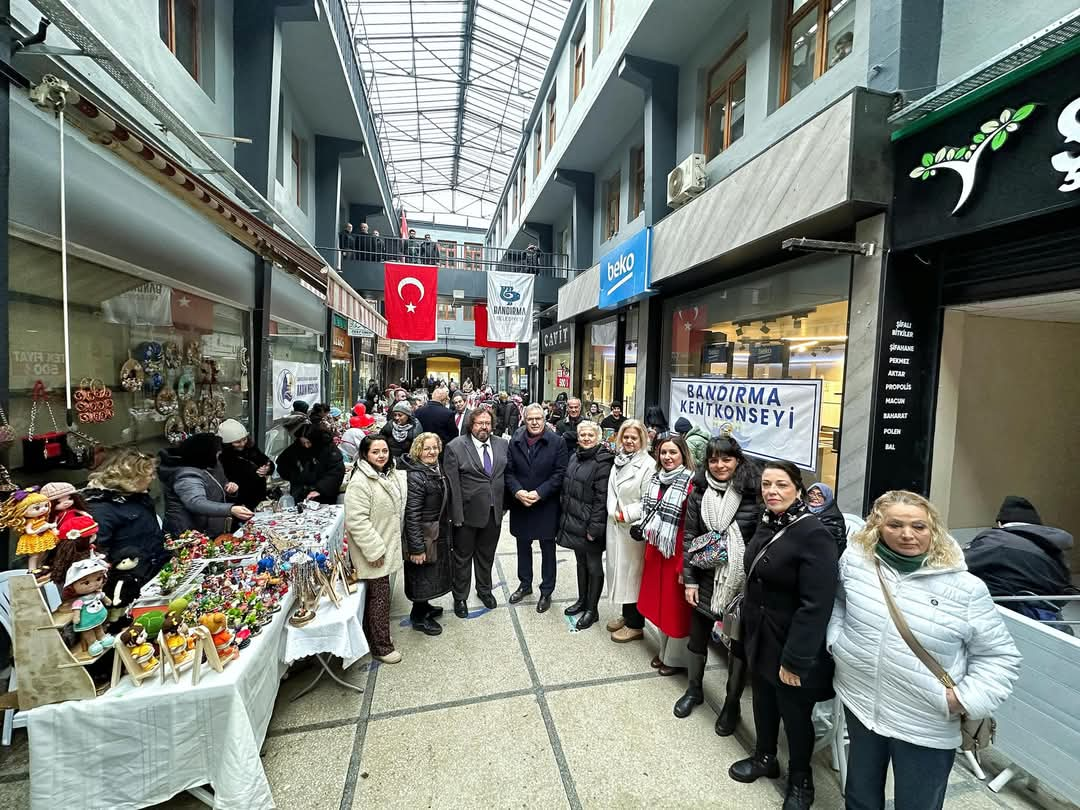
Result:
pixel 344 300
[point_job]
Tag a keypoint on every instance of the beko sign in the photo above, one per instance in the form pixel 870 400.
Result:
pixel 624 272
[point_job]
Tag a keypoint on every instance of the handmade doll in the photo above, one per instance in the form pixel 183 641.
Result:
pixel 178 639
pixel 134 638
pixel 83 585
pixel 27 511
pixel 218 626
pixel 75 528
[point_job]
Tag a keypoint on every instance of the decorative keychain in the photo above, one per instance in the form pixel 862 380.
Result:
pixel 7 432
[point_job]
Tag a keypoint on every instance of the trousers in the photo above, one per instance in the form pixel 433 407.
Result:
pixel 547 564
pixel 793 705
pixel 474 550
pixel 632 616
pixel 376 622
pixel 920 774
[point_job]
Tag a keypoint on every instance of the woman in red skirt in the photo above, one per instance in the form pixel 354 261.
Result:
pixel 662 599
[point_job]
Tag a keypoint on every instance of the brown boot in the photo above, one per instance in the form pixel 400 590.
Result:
pixel 625 634
pixel 618 623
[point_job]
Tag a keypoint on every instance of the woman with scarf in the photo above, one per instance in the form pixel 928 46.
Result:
pixel 820 501
pixel 374 512
pixel 627 487
pixel 428 569
pixel 583 522
pixel 791 579
pixel 662 600
pixel 721 518
pixel 401 429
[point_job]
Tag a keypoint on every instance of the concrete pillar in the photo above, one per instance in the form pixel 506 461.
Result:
pixel 256 91
pixel 660 83
pixel 260 377
pixel 328 154
pixel 544 235
pixel 359 213
pixel 904 47
pixel 584 187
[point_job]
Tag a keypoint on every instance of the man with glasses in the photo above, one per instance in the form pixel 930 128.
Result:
pixel 535 469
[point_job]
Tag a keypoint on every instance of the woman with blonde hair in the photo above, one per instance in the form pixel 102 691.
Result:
pixel 627 488
pixel 905 595
pixel 428 568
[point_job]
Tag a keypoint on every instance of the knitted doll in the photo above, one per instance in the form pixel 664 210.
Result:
pixel 27 511
pixel 83 585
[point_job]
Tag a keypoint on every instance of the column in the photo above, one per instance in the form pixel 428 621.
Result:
pixel 328 154
pixel 256 92
pixel 660 83
pixel 260 382
pixel 904 46
pixel 584 188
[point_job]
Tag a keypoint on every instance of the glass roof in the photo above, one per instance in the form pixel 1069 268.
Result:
pixel 452 83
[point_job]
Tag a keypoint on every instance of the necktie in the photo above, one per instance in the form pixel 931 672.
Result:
pixel 487 460
pixel 457 421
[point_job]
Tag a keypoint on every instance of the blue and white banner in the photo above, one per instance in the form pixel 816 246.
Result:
pixel 624 271
pixel 510 306
pixel 293 381
pixel 769 419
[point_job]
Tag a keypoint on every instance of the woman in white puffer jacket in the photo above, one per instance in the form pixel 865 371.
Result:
pixel 896 709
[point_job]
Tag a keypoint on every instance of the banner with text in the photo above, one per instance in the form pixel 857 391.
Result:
pixel 510 306
pixel 293 381
pixel 770 420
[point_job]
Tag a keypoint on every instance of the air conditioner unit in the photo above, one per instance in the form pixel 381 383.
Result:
pixel 686 180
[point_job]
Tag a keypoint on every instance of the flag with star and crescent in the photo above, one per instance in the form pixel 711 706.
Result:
pixel 412 291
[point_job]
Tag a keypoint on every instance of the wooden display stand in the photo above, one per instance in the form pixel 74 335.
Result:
pixel 48 672
pixel 122 657
pixel 204 646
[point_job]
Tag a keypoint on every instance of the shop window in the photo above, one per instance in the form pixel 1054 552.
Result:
pixel 514 200
pixel 474 256
pixel 630 355
pixel 466 312
pixel 637 172
pixel 298 170
pixel 725 100
pixel 171 336
pixel 521 184
pixel 579 66
pixel 538 150
pixel 178 27
pixel 819 34
pixel 598 380
pixel 550 121
pixel 611 207
pixel 447 252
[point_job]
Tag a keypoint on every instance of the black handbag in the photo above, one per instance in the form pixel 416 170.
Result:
pixel 45 451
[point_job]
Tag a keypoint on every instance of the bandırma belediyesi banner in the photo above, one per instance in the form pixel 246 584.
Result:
pixel 769 419
pixel 293 381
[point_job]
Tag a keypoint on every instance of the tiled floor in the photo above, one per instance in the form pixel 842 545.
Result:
pixel 510 708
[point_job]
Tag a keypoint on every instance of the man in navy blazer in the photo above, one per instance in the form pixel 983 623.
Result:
pixel 435 417
pixel 535 468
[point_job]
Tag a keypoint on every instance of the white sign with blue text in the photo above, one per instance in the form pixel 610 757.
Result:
pixel 510 306
pixel 769 419
pixel 624 271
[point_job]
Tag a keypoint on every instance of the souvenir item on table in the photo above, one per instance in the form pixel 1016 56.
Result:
pixel 27 511
pixel 170 353
pixel 131 375
pixel 135 640
pixel 174 430
pixel 305 580
pixel 179 642
pixel 166 402
pixel 83 587
pixel 75 529
pixel 93 401
pixel 7 432
pixel 44 451
pixel 310 528
pixel 217 624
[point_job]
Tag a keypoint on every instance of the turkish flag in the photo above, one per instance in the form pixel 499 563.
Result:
pixel 480 318
pixel 404 225
pixel 411 294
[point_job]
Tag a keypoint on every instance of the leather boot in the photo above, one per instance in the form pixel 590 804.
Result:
pixel 592 606
pixel 577 607
pixel 694 695
pixel 800 792
pixel 754 767
pixel 728 718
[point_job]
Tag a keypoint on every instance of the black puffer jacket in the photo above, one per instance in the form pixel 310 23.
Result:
pixel 833 519
pixel 240 468
pixel 583 521
pixel 427 503
pixel 126 521
pixel 319 468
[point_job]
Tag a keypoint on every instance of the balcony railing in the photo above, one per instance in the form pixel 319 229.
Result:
pixel 368 248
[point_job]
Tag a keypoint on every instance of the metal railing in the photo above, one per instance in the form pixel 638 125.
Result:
pixel 369 248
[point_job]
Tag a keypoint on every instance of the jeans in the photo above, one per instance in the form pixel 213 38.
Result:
pixel 920 775
pixel 547 564
pixel 793 705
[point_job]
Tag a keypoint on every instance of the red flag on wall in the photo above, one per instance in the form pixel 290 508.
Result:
pixel 404 225
pixel 480 318
pixel 411 294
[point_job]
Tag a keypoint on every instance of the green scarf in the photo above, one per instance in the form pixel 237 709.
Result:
pixel 899 562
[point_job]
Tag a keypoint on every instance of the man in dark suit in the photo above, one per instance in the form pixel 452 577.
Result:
pixel 435 417
pixel 475 466
pixel 534 475
pixel 461 412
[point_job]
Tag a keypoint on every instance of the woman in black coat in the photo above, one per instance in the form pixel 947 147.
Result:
pixel 820 501
pixel 312 465
pixel 426 512
pixel 786 611
pixel 583 523
pixel 244 464
pixel 400 430
pixel 724 507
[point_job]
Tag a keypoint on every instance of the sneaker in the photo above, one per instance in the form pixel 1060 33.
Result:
pixel 625 634
pixel 392 657
pixel 618 623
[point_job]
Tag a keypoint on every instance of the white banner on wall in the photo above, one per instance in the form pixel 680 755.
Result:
pixel 769 419
pixel 293 381
pixel 510 305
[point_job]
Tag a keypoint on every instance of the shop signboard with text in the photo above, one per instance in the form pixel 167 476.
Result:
pixel 295 381
pixel 556 338
pixel 625 271
pixel 770 419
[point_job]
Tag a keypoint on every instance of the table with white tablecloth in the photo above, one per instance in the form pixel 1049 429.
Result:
pixel 336 630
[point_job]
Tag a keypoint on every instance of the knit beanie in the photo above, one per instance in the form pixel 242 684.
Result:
pixel 682 425
pixel 1015 509
pixel 231 431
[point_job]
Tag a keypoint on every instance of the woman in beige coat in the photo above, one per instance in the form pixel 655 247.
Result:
pixel 374 511
pixel 627 486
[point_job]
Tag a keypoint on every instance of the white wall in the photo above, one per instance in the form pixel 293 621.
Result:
pixel 619 161
pixel 1006 420
pixel 285 190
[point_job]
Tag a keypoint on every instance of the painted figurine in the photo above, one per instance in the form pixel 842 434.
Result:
pixel 177 638
pixel 83 585
pixel 134 638
pixel 27 511
pixel 218 626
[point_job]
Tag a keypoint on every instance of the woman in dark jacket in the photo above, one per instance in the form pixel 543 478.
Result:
pixel 196 492
pixel 722 513
pixel 426 512
pixel 786 610
pixel 244 464
pixel 312 465
pixel 820 501
pixel 584 519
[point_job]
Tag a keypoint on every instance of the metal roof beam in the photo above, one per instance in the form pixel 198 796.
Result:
pixel 466 59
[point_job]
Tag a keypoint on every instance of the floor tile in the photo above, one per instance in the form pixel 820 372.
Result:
pixel 565 576
pixel 494 754
pixel 15 794
pixel 626 749
pixel 328 701
pixel 308 770
pixel 15 758
pixel 472 658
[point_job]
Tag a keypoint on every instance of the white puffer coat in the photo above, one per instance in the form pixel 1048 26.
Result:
pixel 951 614
pixel 627 486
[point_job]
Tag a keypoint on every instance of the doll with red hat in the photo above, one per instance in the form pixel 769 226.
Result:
pixel 75 528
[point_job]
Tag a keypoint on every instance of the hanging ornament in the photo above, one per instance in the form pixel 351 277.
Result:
pixel 243 358
pixel 192 353
pixel 131 375
pixel 174 430
pixel 167 402
pixel 171 354
pixel 185 386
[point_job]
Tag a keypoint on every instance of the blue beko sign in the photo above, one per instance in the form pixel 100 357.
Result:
pixel 624 272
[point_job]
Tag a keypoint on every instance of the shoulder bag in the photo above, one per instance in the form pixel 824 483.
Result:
pixel 732 621
pixel 976 734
